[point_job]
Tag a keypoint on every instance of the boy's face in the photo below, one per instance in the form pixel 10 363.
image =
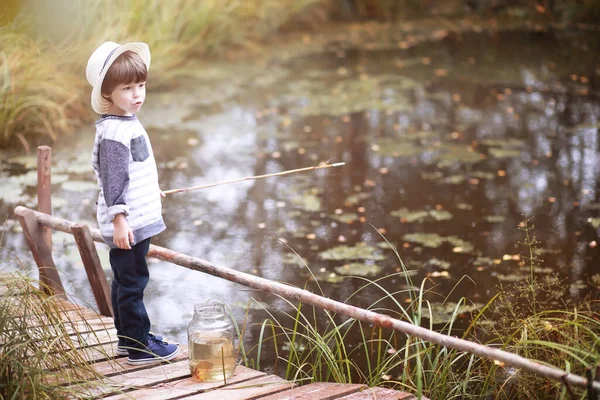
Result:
pixel 127 98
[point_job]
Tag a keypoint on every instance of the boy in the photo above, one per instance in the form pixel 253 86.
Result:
pixel 129 203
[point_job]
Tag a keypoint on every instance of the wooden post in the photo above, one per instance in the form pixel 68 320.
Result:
pixel 41 253
pixel 93 268
pixel 44 188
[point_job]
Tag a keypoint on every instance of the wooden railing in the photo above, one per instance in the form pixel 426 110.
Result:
pixel 34 224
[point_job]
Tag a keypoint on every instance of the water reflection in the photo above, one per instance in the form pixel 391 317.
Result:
pixel 476 127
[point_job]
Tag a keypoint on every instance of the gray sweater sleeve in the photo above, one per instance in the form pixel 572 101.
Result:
pixel 113 159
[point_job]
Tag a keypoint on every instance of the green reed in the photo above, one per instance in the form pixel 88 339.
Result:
pixel 39 355
pixel 567 337
pixel 43 91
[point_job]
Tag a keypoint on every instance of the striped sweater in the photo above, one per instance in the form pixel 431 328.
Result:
pixel 126 172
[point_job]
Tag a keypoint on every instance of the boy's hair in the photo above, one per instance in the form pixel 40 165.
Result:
pixel 127 68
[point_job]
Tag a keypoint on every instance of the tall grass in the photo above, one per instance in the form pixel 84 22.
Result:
pixel 43 92
pixel 38 354
pixel 316 345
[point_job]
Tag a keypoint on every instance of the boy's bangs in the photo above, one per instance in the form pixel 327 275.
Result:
pixel 131 69
pixel 127 68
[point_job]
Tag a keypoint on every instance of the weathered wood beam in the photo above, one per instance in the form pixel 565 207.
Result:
pixel 294 293
pixel 93 268
pixel 41 252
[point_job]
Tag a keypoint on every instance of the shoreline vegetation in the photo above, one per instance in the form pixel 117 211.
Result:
pixel 563 335
pixel 44 94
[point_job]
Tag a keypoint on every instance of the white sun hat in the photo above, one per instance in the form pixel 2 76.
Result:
pixel 101 60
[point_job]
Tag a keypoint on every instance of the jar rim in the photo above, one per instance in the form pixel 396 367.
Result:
pixel 208 307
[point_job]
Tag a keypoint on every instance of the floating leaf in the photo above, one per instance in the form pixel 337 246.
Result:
pixel 298 347
pixel 292 258
pixel 483 261
pixel 454 179
pixel 511 277
pixel 360 251
pixel 447 312
pixel 358 269
pixel 483 175
pixel 452 153
pixel 434 240
pixel 346 218
pixel 421 215
pixel 308 202
pixel 434 262
pixel 354 199
pixel 595 222
pixel 385 246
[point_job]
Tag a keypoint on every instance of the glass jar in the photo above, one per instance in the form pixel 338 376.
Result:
pixel 211 343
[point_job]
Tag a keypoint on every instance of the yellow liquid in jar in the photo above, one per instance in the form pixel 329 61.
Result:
pixel 207 360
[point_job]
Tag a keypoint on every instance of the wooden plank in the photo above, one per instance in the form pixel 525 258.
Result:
pixel 378 393
pixel 44 188
pixel 41 253
pixel 157 373
pixel 120 366
pixel 99 353
pixel 265 385
pixel 94 338
pixel 187 386
pixel 320 390
pixel 93 268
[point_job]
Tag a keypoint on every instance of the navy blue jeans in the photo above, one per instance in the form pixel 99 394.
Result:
pixel 127 293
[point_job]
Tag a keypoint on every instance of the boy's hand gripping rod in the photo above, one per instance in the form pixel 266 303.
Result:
pixel 291 171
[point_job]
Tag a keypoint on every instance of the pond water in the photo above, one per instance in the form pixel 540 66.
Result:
pixel 448 147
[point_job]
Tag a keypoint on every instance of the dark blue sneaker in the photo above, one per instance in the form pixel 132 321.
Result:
pixel 122 348
pixel 156 351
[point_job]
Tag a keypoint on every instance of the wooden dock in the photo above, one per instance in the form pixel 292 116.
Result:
pixel 95 338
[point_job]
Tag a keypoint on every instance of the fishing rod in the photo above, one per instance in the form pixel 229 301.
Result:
pixel 291 171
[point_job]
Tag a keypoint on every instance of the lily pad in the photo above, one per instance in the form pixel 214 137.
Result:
pixel 396 147
pixel 333 278
pixel 354 199
pixel 483 175
pixel 454 179
pixel 432 176
pixel 346 218
pixel 385 246
pixel 451 153
pixel 421 215
pixel 483 261
pixel 350 95
pixel 510 277
pixel 595 222
pixel 505 153
pixel 308 202
pixel 291 258
pixel 358 269
pixel 444 313
pixel 360 251
pixel 435 262
pixel 433 240
pixel 504 148
pixel 494 218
